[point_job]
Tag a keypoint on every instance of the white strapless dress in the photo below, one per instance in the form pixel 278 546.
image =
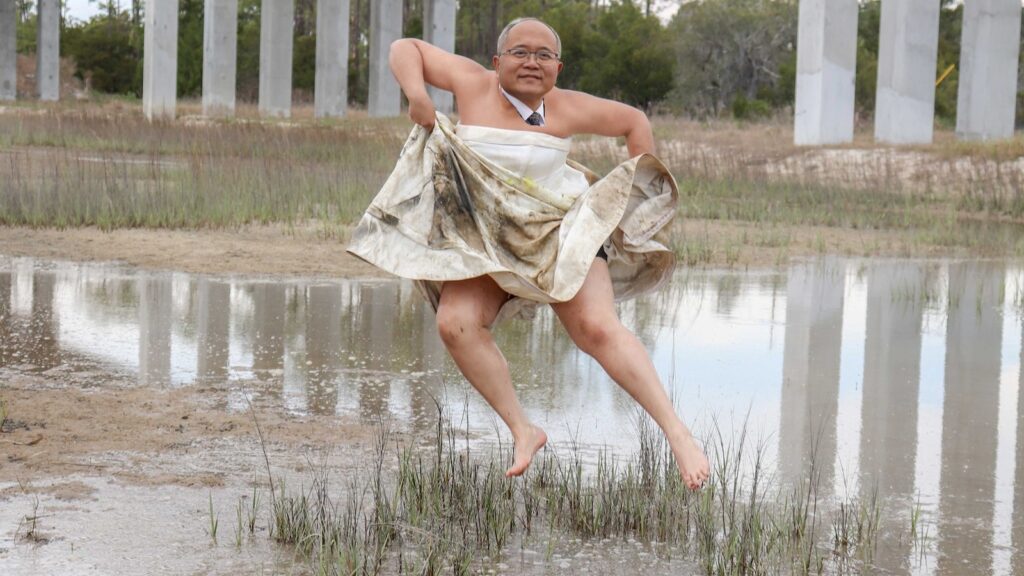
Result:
pixel 536 157
pixel 465 201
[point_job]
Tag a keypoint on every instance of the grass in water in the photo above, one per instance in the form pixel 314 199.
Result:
pixel 447 508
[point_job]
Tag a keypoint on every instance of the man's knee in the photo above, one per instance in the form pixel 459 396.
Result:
pixel 456 322
pixel 594 333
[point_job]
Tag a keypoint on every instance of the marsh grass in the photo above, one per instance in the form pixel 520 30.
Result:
pixel 106 166
pixel 449 508
pixel 4 413
pixel 212 519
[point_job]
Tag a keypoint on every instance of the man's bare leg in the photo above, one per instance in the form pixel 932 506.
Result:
pixel 592 323
pixel 464 317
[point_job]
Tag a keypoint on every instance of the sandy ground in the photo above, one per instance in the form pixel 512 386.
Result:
pixel 274 250
pixel 271 250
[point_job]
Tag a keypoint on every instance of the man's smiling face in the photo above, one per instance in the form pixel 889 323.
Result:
pixel 528 79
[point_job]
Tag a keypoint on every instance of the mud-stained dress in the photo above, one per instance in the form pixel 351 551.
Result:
pixel 464 201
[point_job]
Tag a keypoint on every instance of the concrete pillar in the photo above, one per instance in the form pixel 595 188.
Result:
pixel 970 413
pixel 160 59
pixel 989 53
pixel 907 50
pixel 826 67
pixel 8 51
pixel 220 48
pixel 385 28
pixel 439 30
pixel 48 50
pixel 277 22
pixel 810 372
pixel 331 82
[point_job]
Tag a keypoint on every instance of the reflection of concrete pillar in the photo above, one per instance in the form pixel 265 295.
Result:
pixel 378 318
pixel 323 347
pixel 1017 560
pixel 155 310
pixel 385 28
pixel 7 341
pixel 268 326
pixel 276 29
pixel 160 59
pixel 989 53
pixel 439 30
pixel 43 349
pixel 331 83
pixel 48 50
pixel 825 62
pixel 212 330
pixel 974 329
pixel 907 49
pixel 8 51
pixel 220 47
pixel 892 369
pixel 810 372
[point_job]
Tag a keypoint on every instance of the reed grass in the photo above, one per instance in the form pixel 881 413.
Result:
pixel 449 508
pixel 110 168
pixel 4 413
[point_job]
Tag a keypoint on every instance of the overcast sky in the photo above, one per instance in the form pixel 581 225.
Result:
pixel 81 9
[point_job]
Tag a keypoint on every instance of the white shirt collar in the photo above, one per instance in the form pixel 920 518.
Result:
pixel 521 107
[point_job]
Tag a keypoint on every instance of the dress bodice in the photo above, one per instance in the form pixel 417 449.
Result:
pixel 535 156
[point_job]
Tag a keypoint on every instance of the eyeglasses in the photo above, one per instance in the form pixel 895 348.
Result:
pixel 543 56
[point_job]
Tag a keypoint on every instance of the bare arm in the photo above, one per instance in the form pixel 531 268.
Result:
pixel 593 115
pixel 416 63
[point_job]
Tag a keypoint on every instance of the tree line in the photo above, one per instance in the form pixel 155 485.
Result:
pixel 710 58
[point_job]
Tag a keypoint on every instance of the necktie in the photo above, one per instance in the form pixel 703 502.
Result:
pixel 534 119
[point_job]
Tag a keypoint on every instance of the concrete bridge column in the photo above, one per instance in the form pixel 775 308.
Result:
pixel 907 52
pixel 8 51
pixel 385 28
pixel 331 82
pixel 989 53
pixel 277 20
pixel 220 49
pixel 439 30
pixel 160 59
pixel 826 67
pixel 48 50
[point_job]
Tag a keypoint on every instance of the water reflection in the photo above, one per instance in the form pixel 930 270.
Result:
pixel 917 419
pixel 810 372
pixel 974 328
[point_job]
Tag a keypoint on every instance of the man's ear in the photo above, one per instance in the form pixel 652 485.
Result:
pixel 494 62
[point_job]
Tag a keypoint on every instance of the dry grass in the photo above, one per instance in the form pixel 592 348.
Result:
pixel 747 194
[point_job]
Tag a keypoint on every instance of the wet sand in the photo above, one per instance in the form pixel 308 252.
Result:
pixel 277 251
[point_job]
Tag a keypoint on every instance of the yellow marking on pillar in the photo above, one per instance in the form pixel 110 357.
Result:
pixel 945 74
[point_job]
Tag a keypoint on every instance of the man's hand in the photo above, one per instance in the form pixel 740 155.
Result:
pixel 422 112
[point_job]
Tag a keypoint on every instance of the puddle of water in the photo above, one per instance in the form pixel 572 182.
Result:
pixel 903 375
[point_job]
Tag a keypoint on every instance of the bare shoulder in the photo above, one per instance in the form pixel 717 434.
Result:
pixel 588 114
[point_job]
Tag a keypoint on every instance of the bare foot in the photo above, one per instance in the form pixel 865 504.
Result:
pixel 524 450
pixel 693 464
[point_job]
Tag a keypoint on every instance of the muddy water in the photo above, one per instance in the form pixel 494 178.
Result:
pixel 900 376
